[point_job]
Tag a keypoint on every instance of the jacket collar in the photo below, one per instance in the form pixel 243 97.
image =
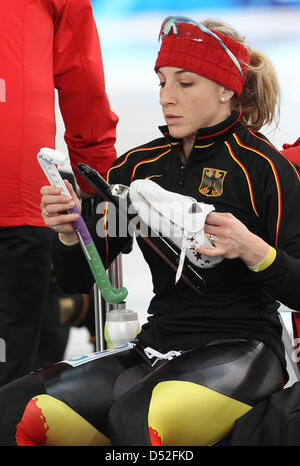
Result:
pixel 212 134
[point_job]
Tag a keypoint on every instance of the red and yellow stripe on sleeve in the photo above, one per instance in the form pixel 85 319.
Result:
pixel 153 159
pixel 276 179
pixel 246 175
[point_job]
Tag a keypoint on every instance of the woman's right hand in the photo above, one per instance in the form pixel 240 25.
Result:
pixel 54 205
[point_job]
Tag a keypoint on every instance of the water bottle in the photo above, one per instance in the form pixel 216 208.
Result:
pixel 121 326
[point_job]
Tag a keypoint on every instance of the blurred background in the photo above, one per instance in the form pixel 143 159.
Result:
pixel 128 31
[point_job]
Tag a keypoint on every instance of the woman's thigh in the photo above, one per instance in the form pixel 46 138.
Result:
pixel 67 404
pixel 195 398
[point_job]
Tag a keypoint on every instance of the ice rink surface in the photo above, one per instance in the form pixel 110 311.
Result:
pixel 129 49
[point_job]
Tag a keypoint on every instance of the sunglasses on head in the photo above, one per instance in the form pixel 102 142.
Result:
pixel 171 25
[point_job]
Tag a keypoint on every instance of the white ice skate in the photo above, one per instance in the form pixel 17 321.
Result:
pixel 177 217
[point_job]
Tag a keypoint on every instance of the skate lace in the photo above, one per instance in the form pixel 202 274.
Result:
pixel 152 353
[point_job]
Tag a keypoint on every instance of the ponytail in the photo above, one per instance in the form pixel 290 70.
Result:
pixel 259 101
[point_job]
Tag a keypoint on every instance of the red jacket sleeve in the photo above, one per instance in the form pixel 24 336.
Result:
pixel 79 78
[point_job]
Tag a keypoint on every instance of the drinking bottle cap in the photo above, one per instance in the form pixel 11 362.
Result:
pixel 120 315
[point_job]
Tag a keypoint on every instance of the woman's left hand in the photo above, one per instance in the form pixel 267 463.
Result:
pixel 232 239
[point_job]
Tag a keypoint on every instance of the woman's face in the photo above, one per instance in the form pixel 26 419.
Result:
pixel 190 101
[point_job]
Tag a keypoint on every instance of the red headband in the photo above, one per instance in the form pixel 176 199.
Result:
pixel 205 56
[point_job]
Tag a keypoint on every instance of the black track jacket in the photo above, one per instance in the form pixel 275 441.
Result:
pixel 238 171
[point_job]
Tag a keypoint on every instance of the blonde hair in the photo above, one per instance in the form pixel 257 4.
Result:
pixel 259 102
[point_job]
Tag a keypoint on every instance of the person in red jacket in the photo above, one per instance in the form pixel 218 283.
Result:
pixel 44 45
pixel 292 151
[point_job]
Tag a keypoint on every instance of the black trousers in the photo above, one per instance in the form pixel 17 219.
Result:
pixel 25 261
pixel 123 399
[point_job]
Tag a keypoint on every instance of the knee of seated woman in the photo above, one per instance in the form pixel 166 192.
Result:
pixel 49 421
pixel 185 413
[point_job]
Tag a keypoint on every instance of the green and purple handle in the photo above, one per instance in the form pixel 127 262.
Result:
pixel 48 159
